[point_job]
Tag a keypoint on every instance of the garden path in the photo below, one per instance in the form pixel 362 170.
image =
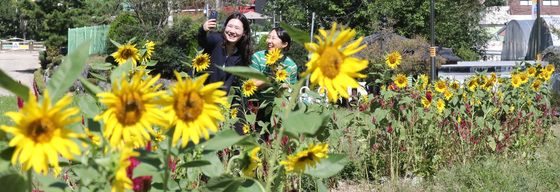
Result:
pixel 19 65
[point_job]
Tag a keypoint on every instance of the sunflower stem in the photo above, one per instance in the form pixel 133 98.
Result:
pixel 166 167
pixel 30 180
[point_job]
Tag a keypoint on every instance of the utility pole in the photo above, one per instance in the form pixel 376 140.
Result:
pixel 538 50
pixel 432 42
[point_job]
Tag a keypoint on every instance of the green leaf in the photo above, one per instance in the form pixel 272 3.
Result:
pixel 196 163
pixel 251 185
pixel 297 35
pixel 90 87
pixel 320 186
pixel 121 70
pixel 145 169
pixel 68 72
pixel 88 105
pixel 328 167
pixel 300 122
pixel 101 66
pixel 246 72
pixel 223 139
pixel 49 183
pixel 13 86
pixel 88 175
pixel 223 183
pixel 11 180
pixel 215 168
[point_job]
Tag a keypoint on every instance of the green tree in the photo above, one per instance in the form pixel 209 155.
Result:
pixel 8 18
pixel 456 21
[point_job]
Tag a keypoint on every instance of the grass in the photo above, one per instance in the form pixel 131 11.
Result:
pixel 513 174
pixel 492 174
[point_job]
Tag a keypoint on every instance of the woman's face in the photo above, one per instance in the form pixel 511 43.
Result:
pixel 234 30
pixel 274 42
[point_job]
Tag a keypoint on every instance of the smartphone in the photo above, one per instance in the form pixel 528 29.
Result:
pixel 213 15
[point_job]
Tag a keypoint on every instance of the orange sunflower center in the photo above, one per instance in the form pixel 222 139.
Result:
pixel 127 53
pixel 189 106
pixel 41 130
pixel 132 109
pixel 307 157
pixel 392 59
pixel 330 62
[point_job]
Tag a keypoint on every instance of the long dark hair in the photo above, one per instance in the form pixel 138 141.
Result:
pixel 284 36
pixel 244 44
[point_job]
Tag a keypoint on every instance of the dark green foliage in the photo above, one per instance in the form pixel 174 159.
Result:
pixel 125 27
pixel 178 45
pixel 467 54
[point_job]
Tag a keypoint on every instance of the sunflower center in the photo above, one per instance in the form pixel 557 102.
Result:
pixel 41 130
pixel 132 109
pixel 392 59
pixel 189 106
pixel 308 157
pixel 126 53
pixel 330 62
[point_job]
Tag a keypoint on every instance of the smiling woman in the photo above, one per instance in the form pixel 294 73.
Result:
pixel 231 47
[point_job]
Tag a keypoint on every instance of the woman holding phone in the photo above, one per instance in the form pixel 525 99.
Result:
pixel 230 47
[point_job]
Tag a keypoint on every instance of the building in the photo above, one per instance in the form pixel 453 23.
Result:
pixel 496 19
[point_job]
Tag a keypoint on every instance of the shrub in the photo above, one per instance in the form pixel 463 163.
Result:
pixel 122 29
pixel 467 54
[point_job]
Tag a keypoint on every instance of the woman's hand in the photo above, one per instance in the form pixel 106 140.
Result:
pixel 209 24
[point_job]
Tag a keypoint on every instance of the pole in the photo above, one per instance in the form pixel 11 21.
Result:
pixel 311 39
pixel 538 51
pixel 432 41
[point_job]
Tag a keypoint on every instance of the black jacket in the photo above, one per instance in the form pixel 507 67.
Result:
pixel 213 44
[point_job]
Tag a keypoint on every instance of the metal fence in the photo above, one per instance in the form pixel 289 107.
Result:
pixel 97 35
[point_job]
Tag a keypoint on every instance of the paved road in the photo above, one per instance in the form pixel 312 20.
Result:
pixel 19 65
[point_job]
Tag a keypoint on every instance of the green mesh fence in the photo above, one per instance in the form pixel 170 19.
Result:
pixel 97 35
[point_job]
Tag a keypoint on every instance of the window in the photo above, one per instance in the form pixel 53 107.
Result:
pixel 525 2
pixel 544 2
pixel 550 2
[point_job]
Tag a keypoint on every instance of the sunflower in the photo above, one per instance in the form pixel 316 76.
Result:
pixel 159 136
pixel 331 65
pixel 249 87
pixel 233 113
pixel 524 77
pixel 440 104
pixel 472 84
pixel 95 139
pixel 549 68
pixel 125 52
pixel 447 94
pixel 121 182
pixel 536 85
pixel 246 128
pixel 393 60
pixel 401 81
pixel 133 109
pixel 150 45
pixel 515 81
pixel 281 75
pixel 426 103
pixel 306 158
pixel 273 56
pixel 544 75
pixel 201 62
pixel 531 71
pixel 424 80
pixel 254 162
pixel 455 85
pixel 193 108
pixel 41 133
pixel 440 86
pixel 490 81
